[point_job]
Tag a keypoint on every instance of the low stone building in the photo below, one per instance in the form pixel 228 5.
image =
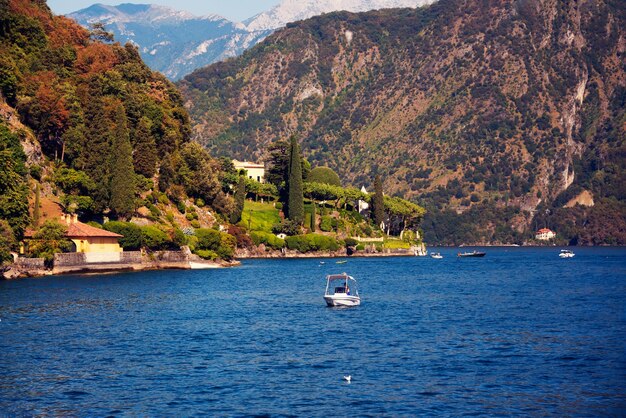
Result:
pixel 98 244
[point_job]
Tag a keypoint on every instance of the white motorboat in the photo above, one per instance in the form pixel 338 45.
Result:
pixel 566 254
pixel 436 255
pixel 341 290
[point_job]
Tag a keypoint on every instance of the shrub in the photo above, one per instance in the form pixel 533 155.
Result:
pixel 269 240
pixel 181 207
pixel 351 242
pixel 360 247
pixel 279 206
pixel 311 242
pixel 243 240
pixel 133 234
pixel 154 239
pixel 287 227
pixel 195 223
pixel 326 223
pixel 221 243
pixel 207 254
pixel 35 171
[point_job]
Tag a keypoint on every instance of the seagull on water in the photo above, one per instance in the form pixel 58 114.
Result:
pixel 347 378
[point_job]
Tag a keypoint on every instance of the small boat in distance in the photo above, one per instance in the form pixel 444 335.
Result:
pixel 472 254
pixel 436 255
pixel 566 254
pixel 341 262
pixel 341 290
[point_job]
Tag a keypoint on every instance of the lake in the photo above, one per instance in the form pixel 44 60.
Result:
pixel 520 331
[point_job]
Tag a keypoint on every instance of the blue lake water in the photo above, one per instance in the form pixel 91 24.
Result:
pixel 520 331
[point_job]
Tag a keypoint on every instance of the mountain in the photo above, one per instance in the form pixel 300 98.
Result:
pixel 176 43
pixel 293 10
pixel 494 114
pixel 170 41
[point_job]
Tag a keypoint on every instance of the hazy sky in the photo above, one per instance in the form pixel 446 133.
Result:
pixel 236 10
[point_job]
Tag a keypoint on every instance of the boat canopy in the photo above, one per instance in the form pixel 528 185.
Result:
pixel 342 276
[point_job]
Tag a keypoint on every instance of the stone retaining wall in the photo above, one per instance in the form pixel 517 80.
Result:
pixel 69 259
pixel 30 263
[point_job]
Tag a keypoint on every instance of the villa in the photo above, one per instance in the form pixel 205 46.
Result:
pixel 254 171
pixel 545 234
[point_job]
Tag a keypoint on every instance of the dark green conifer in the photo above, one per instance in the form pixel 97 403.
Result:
pixel 378 201
pixel 97 151
pixel 296 197
pixel 240 197
pixel 145 154
pixel 122 202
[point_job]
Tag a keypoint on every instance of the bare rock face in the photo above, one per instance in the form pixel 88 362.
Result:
pixel 585 198
pixel 31 146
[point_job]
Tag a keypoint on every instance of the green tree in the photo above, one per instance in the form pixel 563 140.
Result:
pixel 240 197
pixel 7 241
pixel 97 164
pixel 295 205
pixel 13 187
pixel 49 240
pixel 132 239
pixel 378 201
pixel 324 175
pixel 145 154
pixel 122 202
pixel 36 209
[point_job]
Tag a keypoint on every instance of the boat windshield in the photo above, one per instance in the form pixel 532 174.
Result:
pixel 340 284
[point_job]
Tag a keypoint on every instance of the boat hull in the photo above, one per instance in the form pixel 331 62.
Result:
pixel 472 255
pixel 342 300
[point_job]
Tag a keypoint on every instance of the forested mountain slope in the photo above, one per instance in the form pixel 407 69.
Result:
pixel 86 124
pixel 500 110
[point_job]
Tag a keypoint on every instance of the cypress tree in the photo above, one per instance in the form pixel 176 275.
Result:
pixel 296 197
pixel 240 197
pixel 313 217
pixel 97 151
pixel 145 154
pixel 378 202
pixel 36 209
pixel 122 201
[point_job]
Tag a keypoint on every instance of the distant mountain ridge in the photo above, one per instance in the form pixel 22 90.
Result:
pixel 170 41
pixel 176 42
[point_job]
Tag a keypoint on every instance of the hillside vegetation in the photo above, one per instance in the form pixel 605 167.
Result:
pixel 493 114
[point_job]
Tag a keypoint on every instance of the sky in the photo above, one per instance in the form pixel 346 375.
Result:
pixel 235 10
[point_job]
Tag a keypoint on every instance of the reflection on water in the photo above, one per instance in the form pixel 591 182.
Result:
pixel 518 332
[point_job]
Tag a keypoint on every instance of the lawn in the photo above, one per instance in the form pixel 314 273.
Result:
pixel 396 244
pixel 259 216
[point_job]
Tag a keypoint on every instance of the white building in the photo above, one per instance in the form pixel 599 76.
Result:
pixel 254 171
pixel 545 234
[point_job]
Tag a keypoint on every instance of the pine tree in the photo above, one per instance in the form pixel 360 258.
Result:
pixel 296 197
pixel 145 154
pixel 240 197
pixel 378 202
pixel 122 202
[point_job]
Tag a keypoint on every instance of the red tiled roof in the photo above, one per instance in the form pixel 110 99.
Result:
pixel 543 230
pixel 79 229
